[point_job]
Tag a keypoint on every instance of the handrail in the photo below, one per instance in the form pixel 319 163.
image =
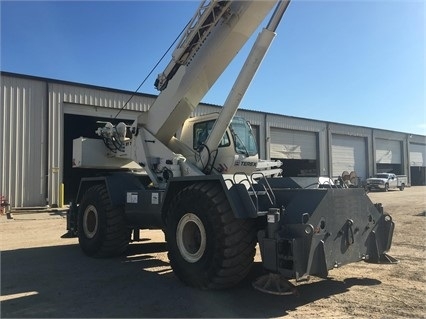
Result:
pixel 268 189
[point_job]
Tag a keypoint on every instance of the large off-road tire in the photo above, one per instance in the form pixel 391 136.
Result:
pixel 401 188
pixel 208 247
pixel 102 231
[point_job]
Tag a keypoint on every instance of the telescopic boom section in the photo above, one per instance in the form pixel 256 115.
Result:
pixel 215 35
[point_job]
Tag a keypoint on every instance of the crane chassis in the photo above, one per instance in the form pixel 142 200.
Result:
pixel 200 180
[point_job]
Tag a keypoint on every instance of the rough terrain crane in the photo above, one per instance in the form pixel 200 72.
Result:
pixel 201 181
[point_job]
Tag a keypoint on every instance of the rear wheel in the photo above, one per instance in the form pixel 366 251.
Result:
pixel 208 247
pixel 102 231
pixel 401 188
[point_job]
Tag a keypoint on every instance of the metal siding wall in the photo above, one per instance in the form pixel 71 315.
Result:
pixel 23 141
pixel 103 98
pixel 344 129
pixel 87 110
pixel 203 109
pixel 389 135
pixel 293 123
pixel 255 130
pixel 55 146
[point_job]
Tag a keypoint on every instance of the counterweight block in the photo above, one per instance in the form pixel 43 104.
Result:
pixel 321 229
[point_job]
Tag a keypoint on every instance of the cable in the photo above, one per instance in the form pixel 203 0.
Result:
pixel 214 160
pixel 152 70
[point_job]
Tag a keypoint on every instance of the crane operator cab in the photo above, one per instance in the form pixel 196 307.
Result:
pixel 236 152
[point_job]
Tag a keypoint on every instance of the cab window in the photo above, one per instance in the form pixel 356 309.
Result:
pixel 202 131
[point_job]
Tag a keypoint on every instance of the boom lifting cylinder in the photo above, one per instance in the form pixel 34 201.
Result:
pixel 246 75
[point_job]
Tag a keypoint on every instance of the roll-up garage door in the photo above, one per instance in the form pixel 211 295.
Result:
pixel 291 144
pixel 388 151
pixel 417 154
pixel 417 162
pixel 348 153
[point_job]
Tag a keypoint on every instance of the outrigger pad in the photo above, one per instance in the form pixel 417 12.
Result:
pixel 386 259
pixel 275 284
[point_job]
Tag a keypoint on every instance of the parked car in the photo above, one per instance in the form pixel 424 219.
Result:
pixel 386 181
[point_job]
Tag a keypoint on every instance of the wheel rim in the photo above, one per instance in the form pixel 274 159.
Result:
pixel 191 237
pixel 90 221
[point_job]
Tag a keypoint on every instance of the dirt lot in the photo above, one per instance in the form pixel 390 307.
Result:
pixel 44 275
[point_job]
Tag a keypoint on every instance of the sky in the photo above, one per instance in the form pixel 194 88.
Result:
pixel 353 62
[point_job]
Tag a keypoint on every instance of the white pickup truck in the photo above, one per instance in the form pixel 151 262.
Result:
pixel 386 181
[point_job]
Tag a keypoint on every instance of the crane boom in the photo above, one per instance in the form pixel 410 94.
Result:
pixel 196 31
pixel 192 80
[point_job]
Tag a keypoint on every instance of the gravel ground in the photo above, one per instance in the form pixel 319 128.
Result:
pixel 44 275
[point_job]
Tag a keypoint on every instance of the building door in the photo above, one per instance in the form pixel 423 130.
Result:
pixel 389 156
pixel 417 160
pixel 348 154
pixel 297 150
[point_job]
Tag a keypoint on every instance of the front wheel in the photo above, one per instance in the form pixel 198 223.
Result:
pixel 208 247
pixel 102 231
